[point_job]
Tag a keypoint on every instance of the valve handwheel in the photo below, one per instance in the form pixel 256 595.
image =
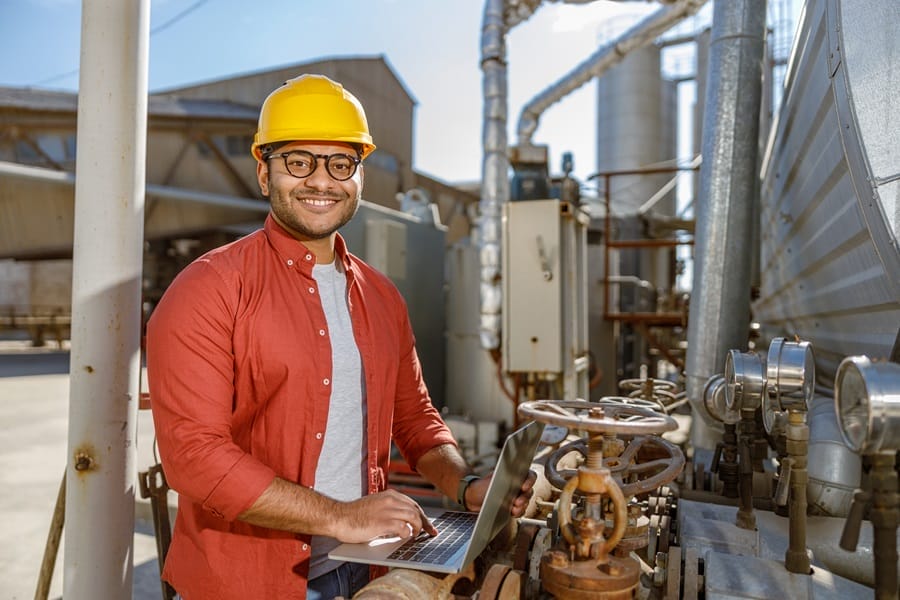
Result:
pixel 602 417
pixel 637 384
pixel 630 470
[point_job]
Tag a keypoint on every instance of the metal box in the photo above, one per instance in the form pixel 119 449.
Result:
pixel 544 292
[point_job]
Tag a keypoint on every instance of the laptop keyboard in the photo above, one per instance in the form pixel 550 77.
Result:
pixel 454 530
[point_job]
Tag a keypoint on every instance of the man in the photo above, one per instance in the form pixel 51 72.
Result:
pixel 281 367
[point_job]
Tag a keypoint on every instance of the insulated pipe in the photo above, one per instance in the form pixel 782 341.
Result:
pixel 106 300
pixel 720 300
pixel 638 36
pixel 495 161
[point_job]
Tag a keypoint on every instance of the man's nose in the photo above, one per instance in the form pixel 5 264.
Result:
pixel 320 178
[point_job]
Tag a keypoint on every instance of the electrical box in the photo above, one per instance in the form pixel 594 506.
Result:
pixel 386 247
pixel 545 292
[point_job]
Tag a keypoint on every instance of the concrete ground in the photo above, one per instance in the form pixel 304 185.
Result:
pixel 34 398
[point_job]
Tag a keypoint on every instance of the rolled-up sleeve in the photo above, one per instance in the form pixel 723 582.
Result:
pixel 190 370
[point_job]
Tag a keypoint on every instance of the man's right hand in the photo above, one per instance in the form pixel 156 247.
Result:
pixel 388 513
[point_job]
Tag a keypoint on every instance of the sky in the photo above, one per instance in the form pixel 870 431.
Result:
pixel 433 46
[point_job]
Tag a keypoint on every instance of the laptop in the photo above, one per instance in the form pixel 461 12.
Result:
pixel 461 535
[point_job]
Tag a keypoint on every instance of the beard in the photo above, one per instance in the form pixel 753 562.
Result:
pixel 288 209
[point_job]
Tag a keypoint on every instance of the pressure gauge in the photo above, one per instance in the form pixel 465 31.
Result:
pixel 790 379
pixel 714 401
pixel 745 380
pixel 867 402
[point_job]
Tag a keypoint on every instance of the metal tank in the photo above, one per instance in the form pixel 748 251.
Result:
pixel 632 130
pixel 472 386
pixel 636 123
pixel 830 265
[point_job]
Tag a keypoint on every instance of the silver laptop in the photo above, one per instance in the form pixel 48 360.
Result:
pixel 461 535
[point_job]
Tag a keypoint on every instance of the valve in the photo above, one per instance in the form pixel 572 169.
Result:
pixel 744 387
pixel 725 458
pixel 582 565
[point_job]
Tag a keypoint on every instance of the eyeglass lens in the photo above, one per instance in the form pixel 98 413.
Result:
pixel 301 163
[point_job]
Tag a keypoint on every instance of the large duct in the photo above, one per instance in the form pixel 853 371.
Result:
pixel 720 301
pixel 637 36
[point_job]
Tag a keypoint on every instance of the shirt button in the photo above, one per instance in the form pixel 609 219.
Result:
pixel 326 381
pixel 305 547
pixel 312 290
pixel 319 436
pixel 309 257
pixel 290 262
pixel 321 332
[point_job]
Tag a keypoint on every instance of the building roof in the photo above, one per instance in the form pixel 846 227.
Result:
pixel 295 67
pixel 37 100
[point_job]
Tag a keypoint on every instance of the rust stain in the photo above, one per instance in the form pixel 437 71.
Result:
pixel 84 459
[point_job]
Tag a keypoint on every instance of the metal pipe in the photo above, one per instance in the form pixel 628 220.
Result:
pixel 720 301
pixel 498 17
pixel 610 54
pixel 106 300
pixel 796 559
pixel 834 470
pixel 885 514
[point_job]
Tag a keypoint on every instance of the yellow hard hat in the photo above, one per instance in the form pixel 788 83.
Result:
pixel 312 108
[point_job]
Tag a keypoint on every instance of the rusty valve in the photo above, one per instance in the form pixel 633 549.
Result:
pixel 584 567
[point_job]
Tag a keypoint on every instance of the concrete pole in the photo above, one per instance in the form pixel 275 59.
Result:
pixel 106 299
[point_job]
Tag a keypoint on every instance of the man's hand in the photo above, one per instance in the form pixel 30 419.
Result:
pixel 385 514
pixel 476 491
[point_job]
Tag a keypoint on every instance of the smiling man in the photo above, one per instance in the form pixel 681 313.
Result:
pixel 281 367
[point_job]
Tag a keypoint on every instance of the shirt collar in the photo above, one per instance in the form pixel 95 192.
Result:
pixel 295 253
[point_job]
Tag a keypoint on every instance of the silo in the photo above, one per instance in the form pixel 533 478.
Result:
pixel 830 264
pixel 631 128
pixel 636 125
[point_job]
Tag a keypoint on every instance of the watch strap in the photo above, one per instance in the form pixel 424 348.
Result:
pixel 462 487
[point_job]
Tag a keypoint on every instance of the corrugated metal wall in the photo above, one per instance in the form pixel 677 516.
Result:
pixel 830 266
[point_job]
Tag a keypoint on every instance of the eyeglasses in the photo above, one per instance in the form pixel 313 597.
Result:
pixel 301 163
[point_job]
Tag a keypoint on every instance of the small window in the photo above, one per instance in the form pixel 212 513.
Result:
pixel 53 146
pixel 238 145
pixel 26 152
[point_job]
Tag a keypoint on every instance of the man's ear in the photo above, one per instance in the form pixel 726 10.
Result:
pixel 262 177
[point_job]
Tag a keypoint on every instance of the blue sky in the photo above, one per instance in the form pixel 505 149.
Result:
pixel 433 45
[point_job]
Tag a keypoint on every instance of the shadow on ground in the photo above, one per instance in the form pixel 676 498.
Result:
pixel 20 364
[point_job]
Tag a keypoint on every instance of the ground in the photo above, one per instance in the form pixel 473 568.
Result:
pixel 34 399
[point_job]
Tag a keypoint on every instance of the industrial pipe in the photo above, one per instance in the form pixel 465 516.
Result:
pixel 610 54
pixel 499 16
pixel 720 299
pixel 106 300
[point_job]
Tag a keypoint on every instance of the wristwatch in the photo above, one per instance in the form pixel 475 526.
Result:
pixel 462 487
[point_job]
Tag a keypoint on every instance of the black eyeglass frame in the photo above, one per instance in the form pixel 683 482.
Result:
pixel 354 160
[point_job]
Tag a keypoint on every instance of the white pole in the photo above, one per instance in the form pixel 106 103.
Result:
pixel 106 299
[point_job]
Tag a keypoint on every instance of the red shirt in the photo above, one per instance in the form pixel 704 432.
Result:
pixel 239 367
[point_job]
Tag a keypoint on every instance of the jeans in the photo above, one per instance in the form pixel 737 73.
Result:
pixel 344 581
